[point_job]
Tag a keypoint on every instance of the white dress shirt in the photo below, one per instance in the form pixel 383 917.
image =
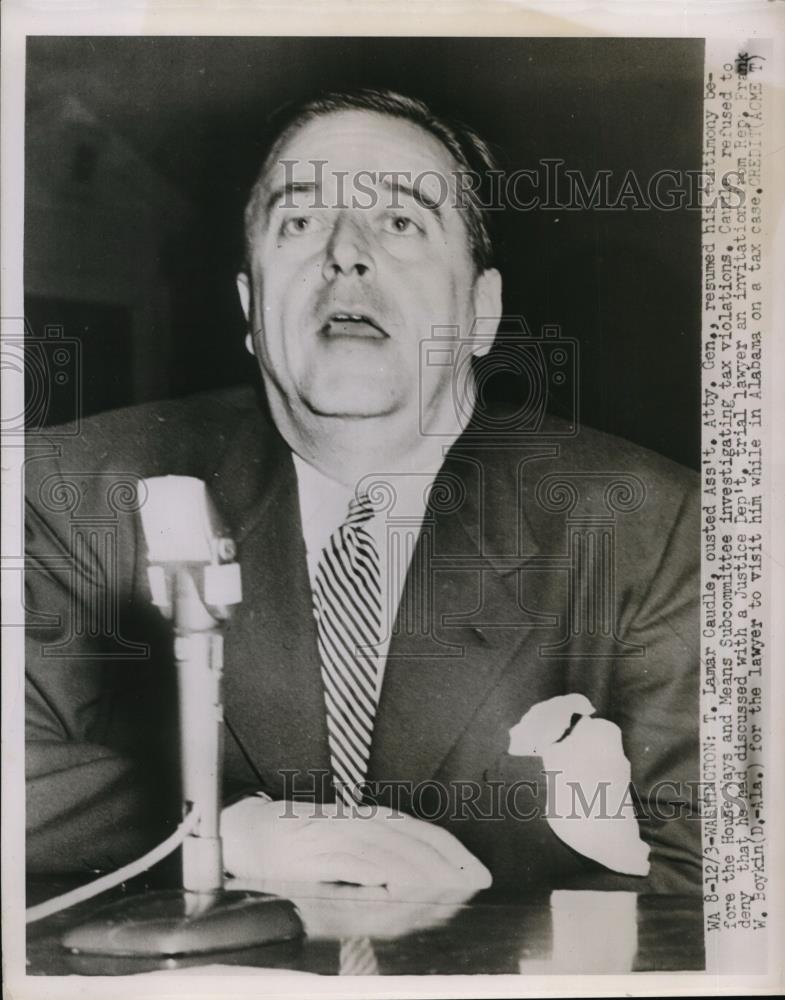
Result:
pixel 324 504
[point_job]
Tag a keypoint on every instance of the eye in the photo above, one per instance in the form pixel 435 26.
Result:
pixel 401 225
pixel 298 225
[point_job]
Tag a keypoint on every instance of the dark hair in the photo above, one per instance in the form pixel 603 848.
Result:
pixel 471 153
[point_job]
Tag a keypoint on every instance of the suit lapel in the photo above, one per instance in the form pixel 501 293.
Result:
pixel 273 690
pixel 462 619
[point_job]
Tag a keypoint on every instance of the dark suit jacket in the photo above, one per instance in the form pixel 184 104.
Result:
pixel 504 606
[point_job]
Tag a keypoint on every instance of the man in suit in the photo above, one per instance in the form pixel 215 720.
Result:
pixel 390 635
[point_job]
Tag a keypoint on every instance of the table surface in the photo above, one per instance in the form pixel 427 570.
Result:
pixel 563 932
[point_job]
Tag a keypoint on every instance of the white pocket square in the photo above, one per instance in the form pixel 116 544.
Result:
pixel 588 802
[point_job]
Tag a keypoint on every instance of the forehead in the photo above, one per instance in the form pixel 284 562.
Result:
pixel 356 140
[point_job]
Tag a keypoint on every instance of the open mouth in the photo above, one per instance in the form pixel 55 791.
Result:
pixel 353 324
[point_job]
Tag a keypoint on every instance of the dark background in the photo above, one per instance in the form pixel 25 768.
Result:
pixel 140 152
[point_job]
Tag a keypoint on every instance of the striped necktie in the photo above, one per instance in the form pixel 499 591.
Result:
pixel 348 609
pixel 357 957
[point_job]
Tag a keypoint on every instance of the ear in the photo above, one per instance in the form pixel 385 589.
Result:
pixel 487 302
pixel 244 291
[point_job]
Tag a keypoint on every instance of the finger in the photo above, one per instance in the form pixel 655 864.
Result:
pixel 424 854
pixel 445 844
pixel 342 866
pixel 400 859
pixel 407 860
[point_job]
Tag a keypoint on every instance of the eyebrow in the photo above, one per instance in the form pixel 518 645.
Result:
pixel 287 189
pixel 417 195
pixel 395 187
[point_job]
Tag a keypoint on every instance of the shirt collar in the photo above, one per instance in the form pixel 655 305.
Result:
pixel 324 502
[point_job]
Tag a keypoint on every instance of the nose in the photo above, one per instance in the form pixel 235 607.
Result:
pixel 348 252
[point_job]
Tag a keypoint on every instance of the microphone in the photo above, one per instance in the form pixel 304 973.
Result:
pixel 195 580
pixel 182 531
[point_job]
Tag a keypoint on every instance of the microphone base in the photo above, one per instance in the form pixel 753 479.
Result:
pixel 178 922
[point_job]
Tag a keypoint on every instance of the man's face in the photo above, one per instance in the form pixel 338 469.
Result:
pixel 351 268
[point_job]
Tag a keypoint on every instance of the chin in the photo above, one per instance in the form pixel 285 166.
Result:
pixel 353 395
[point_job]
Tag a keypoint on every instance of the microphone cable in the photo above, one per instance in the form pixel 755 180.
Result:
pixel 112 879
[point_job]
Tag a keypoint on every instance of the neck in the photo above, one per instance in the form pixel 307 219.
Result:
pixel 346 449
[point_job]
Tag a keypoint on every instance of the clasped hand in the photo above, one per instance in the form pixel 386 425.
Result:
pixel 304 842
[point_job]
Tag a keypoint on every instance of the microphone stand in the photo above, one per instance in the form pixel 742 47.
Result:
pixel 202 916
